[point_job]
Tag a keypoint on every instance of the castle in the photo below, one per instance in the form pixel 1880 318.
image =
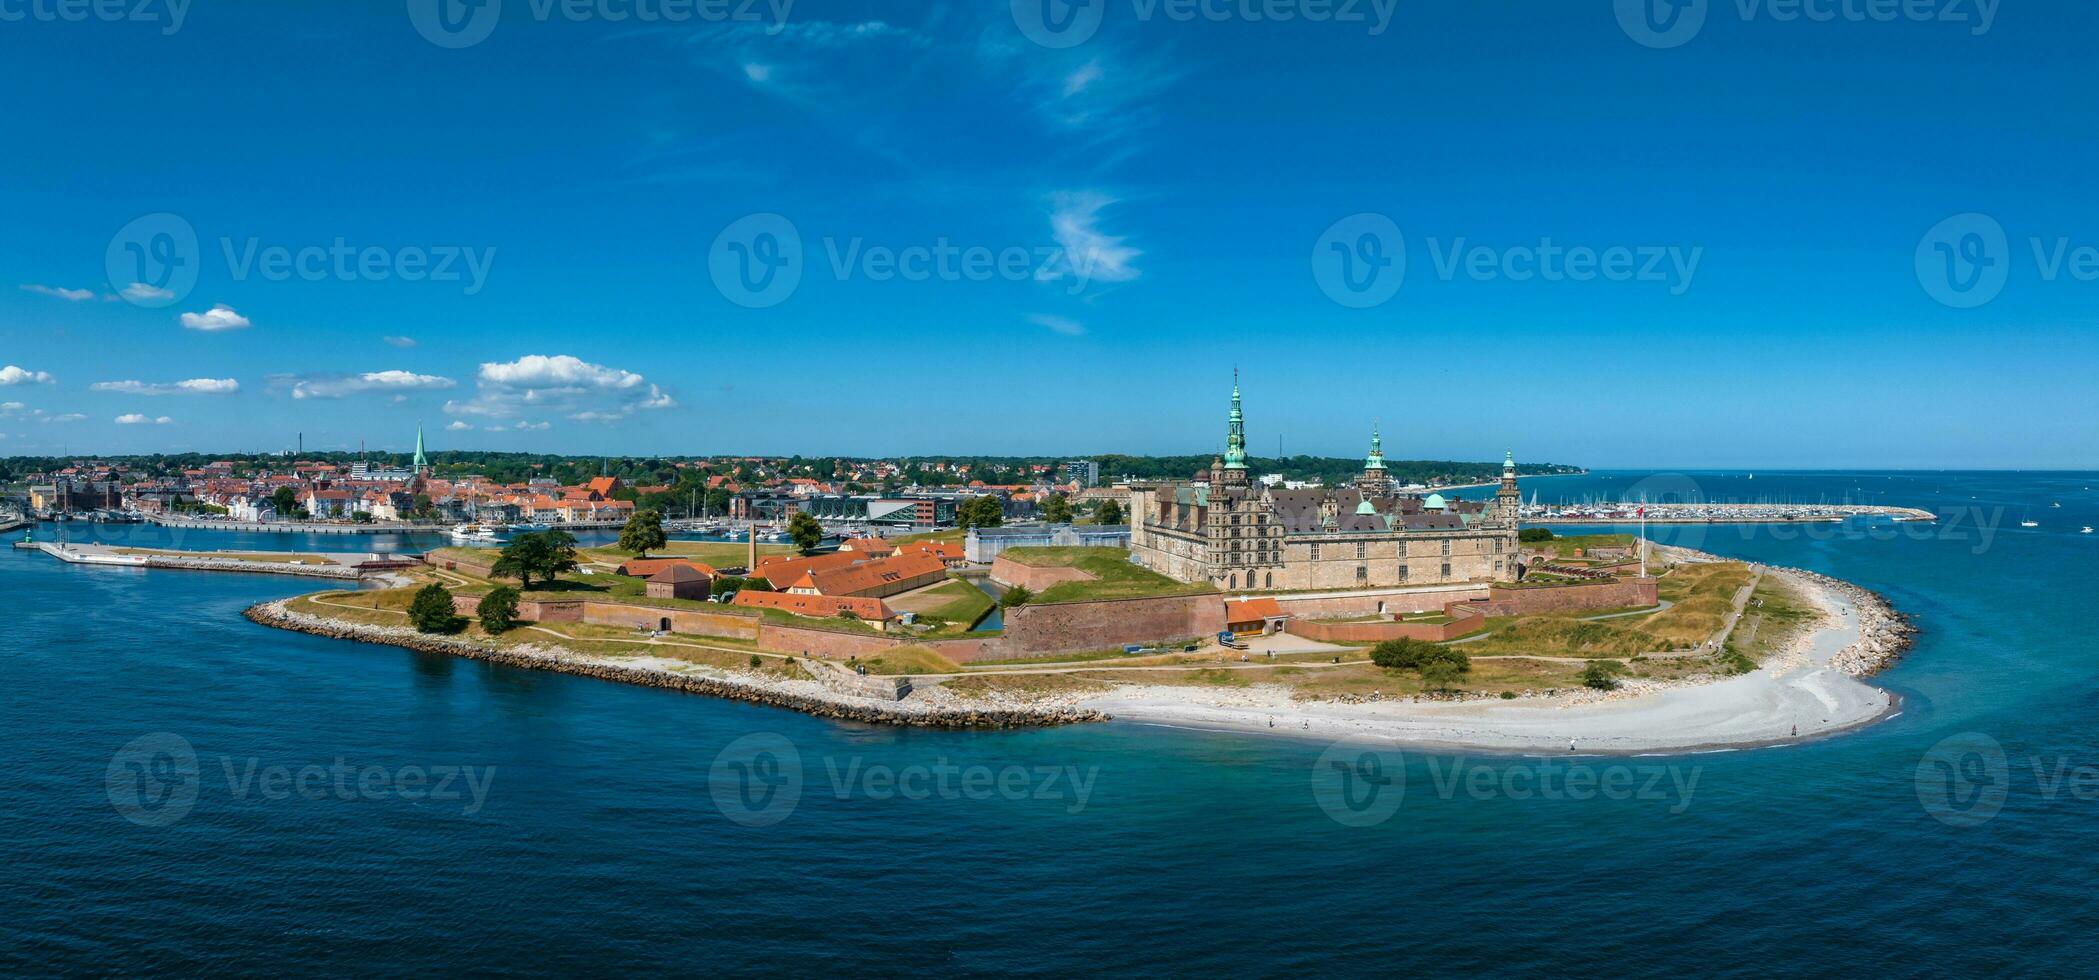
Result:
pixel 1226 530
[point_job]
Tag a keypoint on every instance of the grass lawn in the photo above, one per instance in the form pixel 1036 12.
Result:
pixel 715 554
pixel 1777 614
pixel 1566 547
pixel 1115 577
pixel 1703 595
pixel 954 601
pixel 1037 684
pixel 909 660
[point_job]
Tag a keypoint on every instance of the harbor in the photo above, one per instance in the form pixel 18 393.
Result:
pixel 1713 513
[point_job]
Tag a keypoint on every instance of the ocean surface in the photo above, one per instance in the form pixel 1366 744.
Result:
pixel 183 791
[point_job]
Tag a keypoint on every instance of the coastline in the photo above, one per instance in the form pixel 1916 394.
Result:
pixel 1813 689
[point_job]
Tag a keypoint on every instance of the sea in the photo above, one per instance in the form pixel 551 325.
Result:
pixel 183 791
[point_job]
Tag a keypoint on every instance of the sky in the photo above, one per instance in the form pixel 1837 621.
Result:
pixel 1612 233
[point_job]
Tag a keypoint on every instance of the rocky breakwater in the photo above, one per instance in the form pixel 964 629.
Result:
pixel 1884 634
pixel 937 710
pixel 329 571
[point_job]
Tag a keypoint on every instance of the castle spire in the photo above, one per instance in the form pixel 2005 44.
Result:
pixel 1235 432
pixel 1376 459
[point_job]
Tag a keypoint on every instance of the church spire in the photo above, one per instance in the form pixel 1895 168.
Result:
pixel 421 462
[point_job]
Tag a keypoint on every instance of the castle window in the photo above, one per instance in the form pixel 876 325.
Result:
pixel 1446 551
pixel 1402 549
pixel 1359 549
pixel 1497 549
pixel 1271 580
pixel 1446 571
pixel 1315 551
pixel 1402 571
pixel 1362 573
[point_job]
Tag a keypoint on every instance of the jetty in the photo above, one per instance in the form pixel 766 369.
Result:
pixel 1702 513
pixel 350 567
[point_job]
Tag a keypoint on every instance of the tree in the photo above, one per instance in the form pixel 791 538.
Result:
pixel 498 610
pixel 1411 654
pixel 431 611
pixel 1056 510
pixel 1019 595
pixel 542 553
pixel 285 500
pixel 1534 535
pixel 1440 676
pixel 643 533
pixel 806 531
pixel 1109 512
pixel 980 512
pixel 1601 674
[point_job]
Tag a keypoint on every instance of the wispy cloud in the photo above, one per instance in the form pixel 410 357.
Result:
pixel 341 385
pixel 1064 325
pixel 70 295
pixel 135 419
pixel 12 375
pixel 458 426
pixel 139 292
pixel 194 386
pixel 220 317
pixel 559 383
pixel 1089 254
pixel 400 341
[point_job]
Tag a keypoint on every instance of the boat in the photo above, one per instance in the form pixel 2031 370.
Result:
pixel 2087 529
pixel 2029 523
pixel 473 533
pixel 531 527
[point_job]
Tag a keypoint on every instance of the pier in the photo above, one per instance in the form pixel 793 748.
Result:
pixel 349 567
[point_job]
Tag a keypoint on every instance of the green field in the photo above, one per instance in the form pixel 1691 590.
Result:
pixel 1566 547
pixel 1115 577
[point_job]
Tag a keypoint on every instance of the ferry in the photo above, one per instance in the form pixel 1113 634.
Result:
pixel 473 534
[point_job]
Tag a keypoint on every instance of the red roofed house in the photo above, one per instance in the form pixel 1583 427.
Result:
pixel 603 486
pixel 818 606
pixel 782 570
pixel 871 547
pixel 874 579
pixel 1254 617
pixel 649 567
pixel 679 581
pixel 949 552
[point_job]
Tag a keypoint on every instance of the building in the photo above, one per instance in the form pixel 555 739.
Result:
pixel 873 579
pixel 817 606
pixel 678 581
pixel 1254 617
pixel 984 543
pixel 1226 529
pixel 1084 472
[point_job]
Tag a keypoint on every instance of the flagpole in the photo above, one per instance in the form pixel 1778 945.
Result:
pixel 1643 541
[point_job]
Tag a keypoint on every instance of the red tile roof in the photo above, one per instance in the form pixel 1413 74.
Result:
pixel 852 579
pixel 819 606
pixel 783 570
pixel 650 567
pixel 1249 610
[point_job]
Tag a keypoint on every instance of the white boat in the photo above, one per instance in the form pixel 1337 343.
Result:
pixel 2087 529
pixel 2029 523
pixel 531 527
pixel 473 533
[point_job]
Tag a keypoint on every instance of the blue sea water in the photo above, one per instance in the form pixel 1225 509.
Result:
pixel 602 837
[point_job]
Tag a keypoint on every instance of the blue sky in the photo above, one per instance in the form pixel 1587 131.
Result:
pixel 559 229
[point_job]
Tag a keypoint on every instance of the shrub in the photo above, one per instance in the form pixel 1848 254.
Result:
pixel 1411 654
pixel 498 610
pixel 431 612
pixel 1018 595
pixel 1534 535
pixel 756 662
pixel 1601 674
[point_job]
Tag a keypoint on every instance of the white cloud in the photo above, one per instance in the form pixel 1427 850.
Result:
pixel 12 375
pixel 458 426
pixel 10 408
pixel 219 317
pixel 71 295
pixel 139 292
pixel 1090 255
pixel 1063 325
pixel 559 383
pixel 136 419
pixel 337 386
pixel 757 72
pixel 533 426
pixel 194 386
pixel 400 341
pixel 67 417
pixel 1085 75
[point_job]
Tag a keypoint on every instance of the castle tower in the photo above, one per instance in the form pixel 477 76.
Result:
pixel 1508 498
pixel 1374 479
pixel 1235 440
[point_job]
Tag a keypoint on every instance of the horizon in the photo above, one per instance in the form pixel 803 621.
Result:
pixel 831 232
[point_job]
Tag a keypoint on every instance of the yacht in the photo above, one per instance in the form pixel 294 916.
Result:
pixel 2087 529
pixel 2029 523
pixel 473 533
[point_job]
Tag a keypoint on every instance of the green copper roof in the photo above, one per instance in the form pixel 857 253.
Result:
pixel 1235 435
pixel 1376 459
pixel 1366 507
pixel 420 461
pixel 1435 501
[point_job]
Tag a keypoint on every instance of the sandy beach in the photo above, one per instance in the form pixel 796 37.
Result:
pixel 1812 689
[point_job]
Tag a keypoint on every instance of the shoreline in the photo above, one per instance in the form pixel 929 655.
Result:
pixel 1813 689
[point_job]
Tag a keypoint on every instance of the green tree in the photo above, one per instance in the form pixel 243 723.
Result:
pixel 431 611
pixel 541 553
pixel 1017 596
pixel 1440 676
pixel 1601 674
pixel 498 609
pixel 1109 513
pixel 806 531
pixel 643 533
pixel 1057 509
pixel 285 500
pixel 1412 654
pixel 980 512
pixel 1534 535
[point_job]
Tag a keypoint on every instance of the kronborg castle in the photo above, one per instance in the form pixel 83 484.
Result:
pixel 1237 535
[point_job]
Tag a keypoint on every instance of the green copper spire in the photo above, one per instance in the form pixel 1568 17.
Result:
pixel 1235 438
pixel 420 462
pixel 1376 459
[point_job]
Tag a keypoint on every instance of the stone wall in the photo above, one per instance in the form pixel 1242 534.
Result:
pixel 1466 609
pixel 1318 606
pixel 455 564
pixel 1007 572
pixel 1072 627
pixel 1568 598
pixel 1329 632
